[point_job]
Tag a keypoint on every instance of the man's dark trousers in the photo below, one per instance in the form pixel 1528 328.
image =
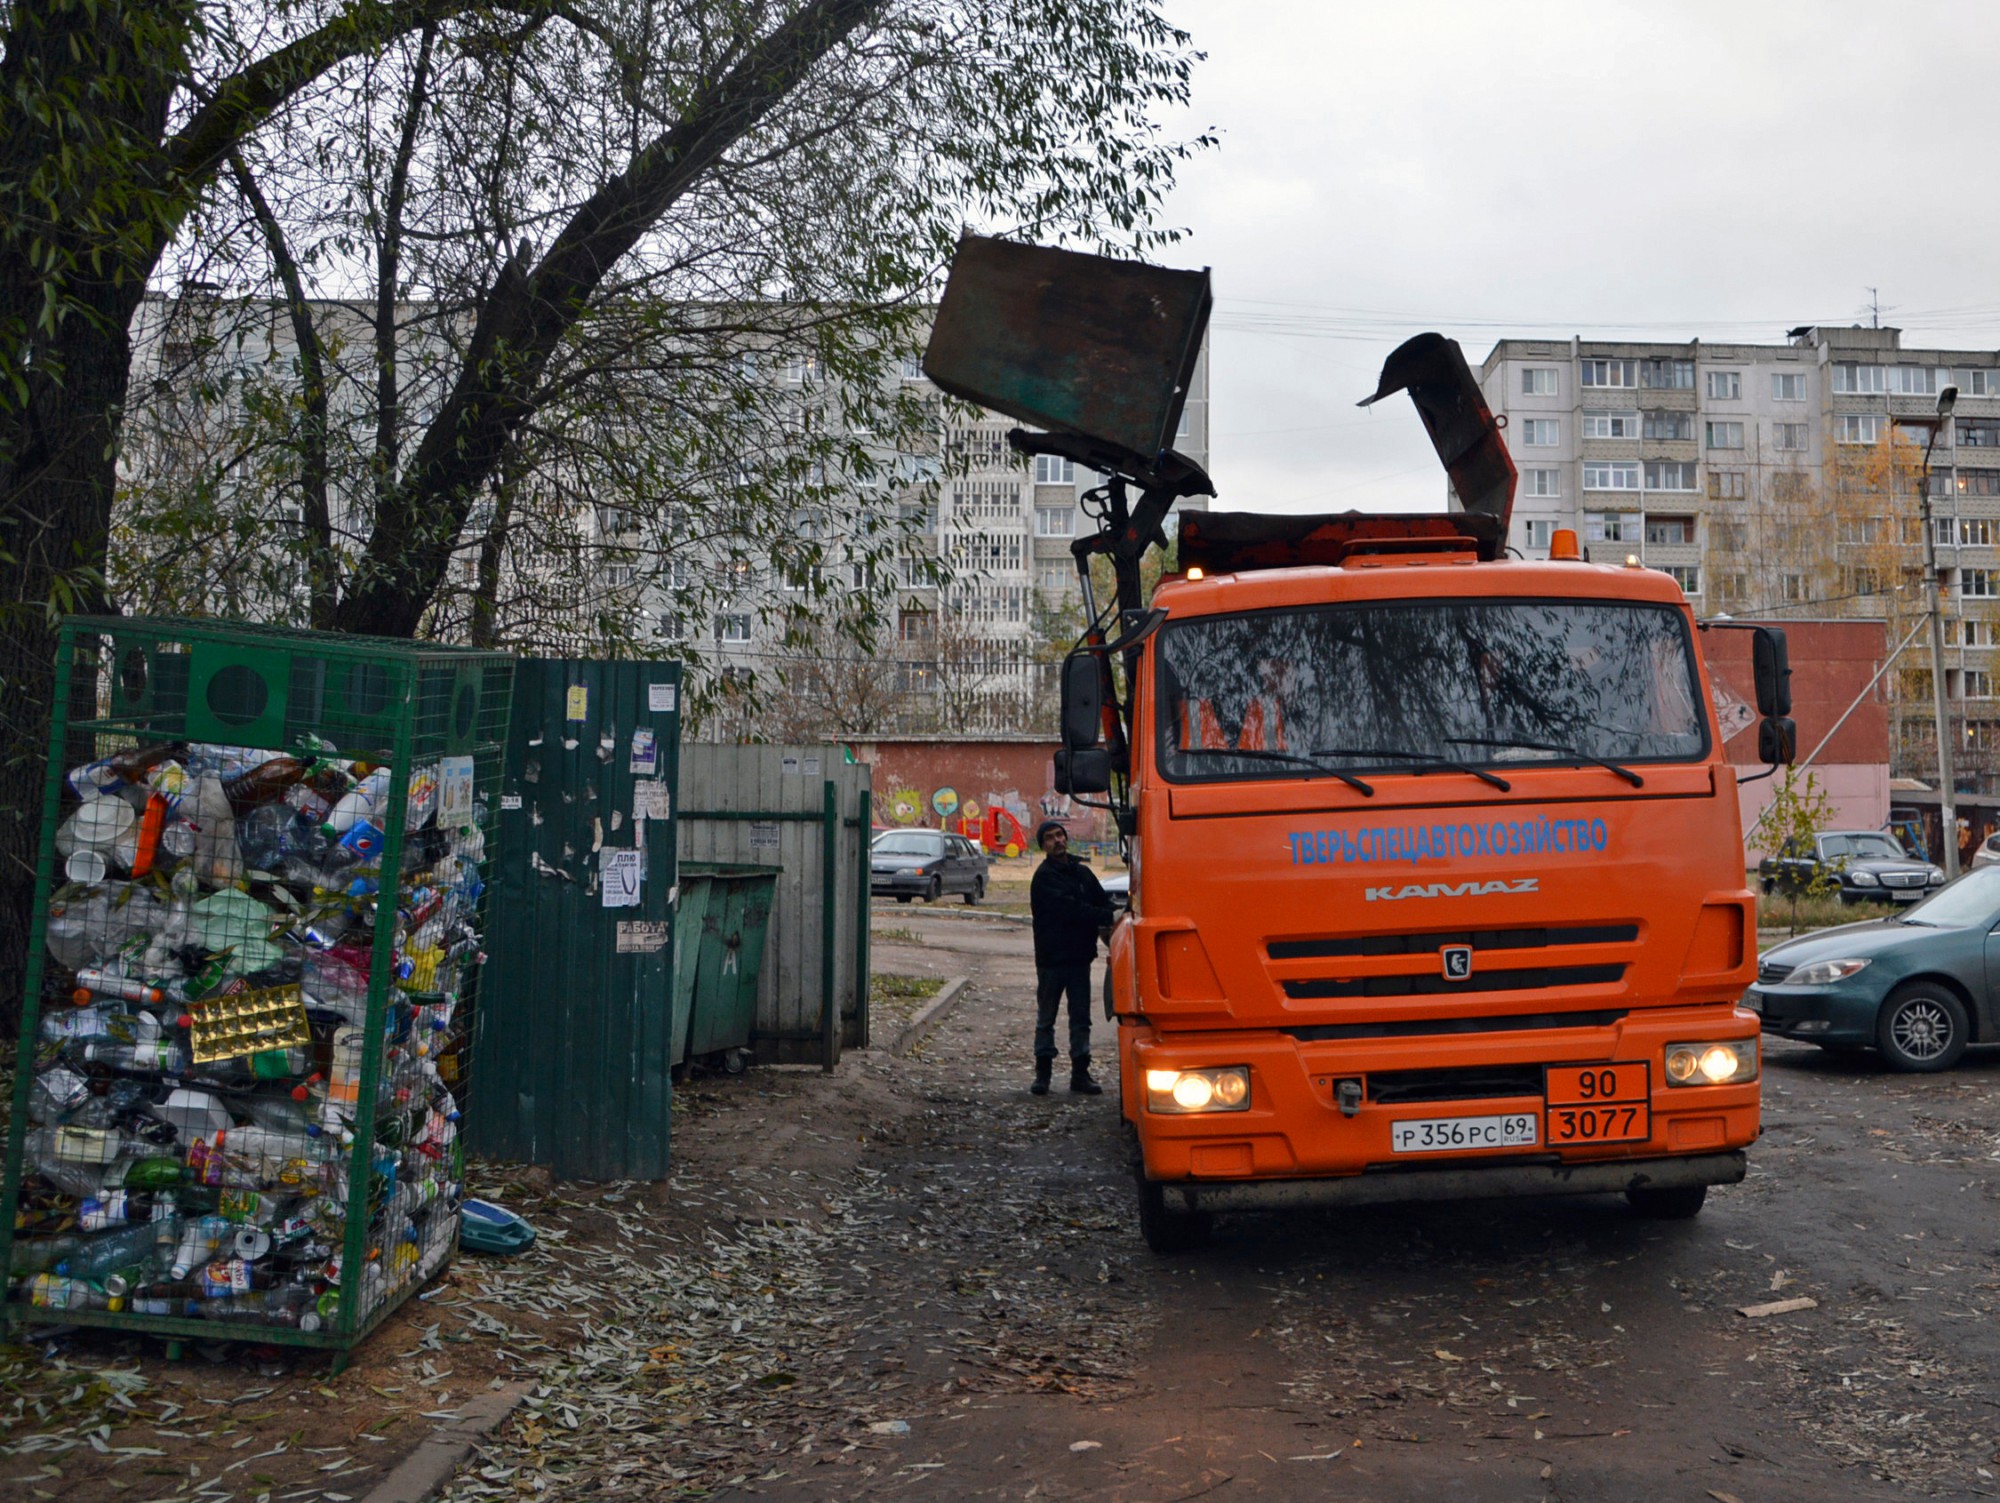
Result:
pixel 1051 981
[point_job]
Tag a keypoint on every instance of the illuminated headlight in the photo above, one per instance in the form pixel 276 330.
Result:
pixel 1864 879
pixel 1712 1064
pixel 1183 1091
pixel 1935 874
pixel 1824 972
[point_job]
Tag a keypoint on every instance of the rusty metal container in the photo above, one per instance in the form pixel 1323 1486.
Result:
pixel 1073 343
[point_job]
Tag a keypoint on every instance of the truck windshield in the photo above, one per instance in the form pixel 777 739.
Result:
pixel 1392 686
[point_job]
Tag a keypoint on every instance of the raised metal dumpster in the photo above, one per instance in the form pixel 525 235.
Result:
pixel 719 928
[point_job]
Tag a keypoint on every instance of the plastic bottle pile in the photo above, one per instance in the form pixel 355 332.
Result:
pixel 207 1000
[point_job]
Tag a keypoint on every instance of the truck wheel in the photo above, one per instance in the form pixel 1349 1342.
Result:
pixel 1675 1204
pixel 1922 1028
pixel 1166 1231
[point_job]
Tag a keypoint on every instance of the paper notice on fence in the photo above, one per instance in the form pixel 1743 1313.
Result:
pixel 763 836
pixel 652 799
pixel 641 937
pixel 659 697
pixel 622 876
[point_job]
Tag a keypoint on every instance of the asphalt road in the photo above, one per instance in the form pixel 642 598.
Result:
pixel 1551 1349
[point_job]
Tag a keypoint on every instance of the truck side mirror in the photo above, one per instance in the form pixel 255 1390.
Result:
pixel 1771 663
pixel 1777 739
pixel 1086 770
pixel 1082 701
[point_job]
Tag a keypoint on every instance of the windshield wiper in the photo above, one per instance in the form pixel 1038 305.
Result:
pixel 1286 757
pixel 1429 759
pixel 1567 751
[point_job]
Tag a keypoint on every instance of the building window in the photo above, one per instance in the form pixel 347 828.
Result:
pixel 1790 436
pixel 1978 684
pixel 1669 475
pixel 1541 482
pixel 1980 382
pixel 1861 530
pixel 799 369
pixel 1054 576
pixel 1728 537
pixel 1724 435
pixel 1913 381
pixel 1731 587
pixel 1977 633
pixel 1944 531
pixel 1603 475
pixel 1863 581
pixel 1793 588
pixel 732 628
pixel 1790 485
pixel 1538 531
pixel 1788 386
pixel 1540 433
pixel 1975 532
pixel 1725 386
pixel 1687 576
pixel 1673 426
pixel 1538 381
pixel 1725 485
pixel 916 626
pixel 1608 526
pixel 1859 427
pixel 1611 425
pixel 1609 372
pixel 1053 469
pixel 1667 375
pixel 1978 584
pixel 1978 435
pixel 1055 521
pixel 1667 530
pixel 1859 380
pixel 1977 482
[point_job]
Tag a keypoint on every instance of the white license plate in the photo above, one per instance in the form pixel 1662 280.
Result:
pixel 1906 894
pixel 1458 1134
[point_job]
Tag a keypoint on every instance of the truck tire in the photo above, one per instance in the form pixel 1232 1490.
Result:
pixel 1922 1028
pixel 1167 1231
pixel 1678 1203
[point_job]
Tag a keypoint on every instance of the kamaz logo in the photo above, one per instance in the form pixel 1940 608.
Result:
pixel 1451 889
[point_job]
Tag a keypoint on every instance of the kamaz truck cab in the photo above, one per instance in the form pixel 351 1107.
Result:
pixel 1437 886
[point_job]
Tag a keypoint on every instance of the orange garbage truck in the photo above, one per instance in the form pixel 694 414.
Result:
pixel 1437 886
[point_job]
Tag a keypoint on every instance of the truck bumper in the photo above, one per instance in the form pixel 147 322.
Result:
pixel 1444 1182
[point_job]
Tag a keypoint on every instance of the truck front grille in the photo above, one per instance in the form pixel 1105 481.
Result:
pixel 1472 1083
pixel 1530 979
pixel 1406 1028
pixel 1540 938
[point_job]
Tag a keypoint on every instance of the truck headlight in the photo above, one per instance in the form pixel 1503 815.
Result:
pixel 1184 1091
pixel 1824 972
pixel 1726 1063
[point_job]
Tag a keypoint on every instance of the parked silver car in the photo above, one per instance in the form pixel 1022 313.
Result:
pixel 927 864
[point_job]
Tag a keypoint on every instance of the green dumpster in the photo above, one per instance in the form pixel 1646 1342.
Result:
pixel 719 928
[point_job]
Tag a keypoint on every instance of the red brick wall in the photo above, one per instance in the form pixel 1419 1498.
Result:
pixel 1017 776
pixel 1831 662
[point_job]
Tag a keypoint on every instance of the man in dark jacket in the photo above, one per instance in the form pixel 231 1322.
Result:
pixel 1070 908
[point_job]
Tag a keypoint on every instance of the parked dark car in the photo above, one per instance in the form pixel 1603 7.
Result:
pixel 1914 986
pixel 927 864
pixel 1870 866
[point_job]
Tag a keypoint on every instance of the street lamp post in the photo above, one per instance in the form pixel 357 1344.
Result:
pixel 1947 807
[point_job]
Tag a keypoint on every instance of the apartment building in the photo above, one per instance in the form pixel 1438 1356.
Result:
pixel 1776 480
pixel 967 657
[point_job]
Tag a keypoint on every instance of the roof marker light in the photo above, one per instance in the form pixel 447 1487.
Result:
pixel 1196 572
pixel 1563 544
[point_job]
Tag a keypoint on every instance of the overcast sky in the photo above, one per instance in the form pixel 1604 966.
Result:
pixel 1606 169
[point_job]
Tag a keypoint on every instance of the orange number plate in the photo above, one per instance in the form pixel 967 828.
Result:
pixel 1599 1104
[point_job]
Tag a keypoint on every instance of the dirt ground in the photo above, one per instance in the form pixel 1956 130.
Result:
pixel 912 1279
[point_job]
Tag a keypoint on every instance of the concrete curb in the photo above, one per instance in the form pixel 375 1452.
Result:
pixel 917 1028
pixel 430 1466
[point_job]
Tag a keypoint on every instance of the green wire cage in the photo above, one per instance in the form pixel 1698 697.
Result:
pixel 255 951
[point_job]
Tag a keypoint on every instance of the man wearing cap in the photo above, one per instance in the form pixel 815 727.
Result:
pixel 1070 908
